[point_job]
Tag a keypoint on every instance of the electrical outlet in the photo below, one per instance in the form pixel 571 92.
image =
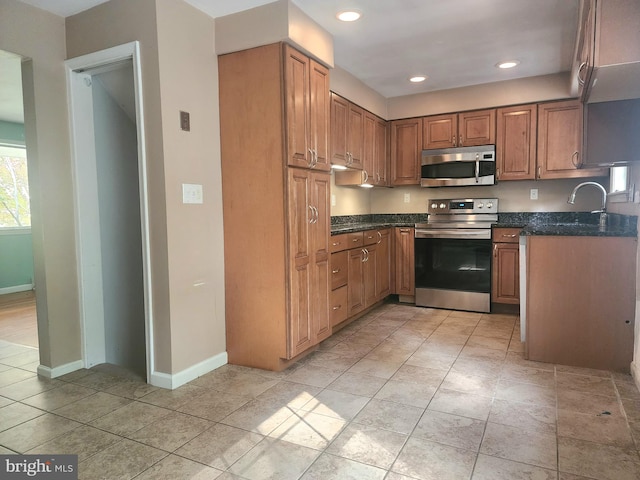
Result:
pixel 533 194
pixel 333 200
pixel 185 121
pixel 407 197
pixel 191 193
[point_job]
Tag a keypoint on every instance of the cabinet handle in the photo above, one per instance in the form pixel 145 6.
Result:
pixel 311 165
pixel 580 79
pixel 575 162
pixel 495 249
pixel 539 171
pixel 377 177
pixel 513 235
pixel 379 237
pixel 355 240
pixel 337 307
pixel 460 144
pixel 337 270
pixel 498 173
pixel 335 244
pixel 315 157
pixel 366 176
pixel 312 216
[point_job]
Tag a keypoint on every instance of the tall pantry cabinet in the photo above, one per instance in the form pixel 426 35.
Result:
pixel 274 122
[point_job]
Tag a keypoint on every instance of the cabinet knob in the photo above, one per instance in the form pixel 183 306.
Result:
pixel 337 270
pixel 337 307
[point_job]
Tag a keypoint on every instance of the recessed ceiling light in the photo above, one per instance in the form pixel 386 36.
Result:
pixel 509 64
pixel 349 15
pixel 418 78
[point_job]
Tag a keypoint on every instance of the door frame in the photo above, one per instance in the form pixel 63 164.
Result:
pixel 85 196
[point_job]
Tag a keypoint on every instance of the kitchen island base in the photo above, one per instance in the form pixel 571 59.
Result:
pixel 580 305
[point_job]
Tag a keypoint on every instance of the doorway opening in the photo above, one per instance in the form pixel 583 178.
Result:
pixel 110 197
pixel 18 319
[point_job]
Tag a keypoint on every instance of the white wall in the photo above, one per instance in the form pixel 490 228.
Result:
pixel 120 229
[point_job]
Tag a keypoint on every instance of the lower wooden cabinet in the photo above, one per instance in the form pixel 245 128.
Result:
pixel 405 275
pixel 368 272
pixel 505 282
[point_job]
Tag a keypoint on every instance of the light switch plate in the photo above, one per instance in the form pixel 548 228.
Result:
pixel 407 197
pixel 185 121
pixel 533 194
pixel 191 193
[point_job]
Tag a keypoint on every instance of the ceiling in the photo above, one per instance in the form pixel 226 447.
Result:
pixel 454 42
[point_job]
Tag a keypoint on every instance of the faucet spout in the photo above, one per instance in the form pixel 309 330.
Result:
pixel 572 196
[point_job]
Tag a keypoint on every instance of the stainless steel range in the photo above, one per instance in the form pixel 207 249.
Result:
pixel 453 254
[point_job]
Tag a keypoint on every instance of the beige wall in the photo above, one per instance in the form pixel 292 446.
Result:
pixel 513 196
pixel 348 86
pixel 107 25
pixel 509 92
pixel 39 36
pixel 195 234
pixel 274 22
pixel 179 68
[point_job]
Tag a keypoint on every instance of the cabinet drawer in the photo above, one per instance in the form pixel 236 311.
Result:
pixel 339 242
pixel 338 309
pixel 370 237
pixel 355 240
pixel 506 235
pixel 339 269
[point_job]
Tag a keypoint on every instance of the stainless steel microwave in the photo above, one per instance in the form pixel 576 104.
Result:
pixel 458 166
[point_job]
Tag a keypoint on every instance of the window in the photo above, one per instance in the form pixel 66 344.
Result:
pixel 619 180
pixel 14 187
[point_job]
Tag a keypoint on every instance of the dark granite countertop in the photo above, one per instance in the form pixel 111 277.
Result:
pixel 360 223
pixel 531 223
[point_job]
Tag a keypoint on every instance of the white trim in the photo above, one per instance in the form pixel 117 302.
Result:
pixel 635 373
pixel 15 230
pixel 171 382
pixel 106 58
pixel 55 372
pixel 16 288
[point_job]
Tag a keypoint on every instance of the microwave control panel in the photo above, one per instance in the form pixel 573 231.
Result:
pixel 463 205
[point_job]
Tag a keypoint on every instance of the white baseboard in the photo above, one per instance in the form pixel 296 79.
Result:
pixel 635 373
pixel 171 382
pixel 55 372
pixel 16 289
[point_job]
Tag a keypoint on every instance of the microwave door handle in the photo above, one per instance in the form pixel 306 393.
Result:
pixel 477 171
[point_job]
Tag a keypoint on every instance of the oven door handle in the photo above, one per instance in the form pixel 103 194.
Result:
pixel 457 233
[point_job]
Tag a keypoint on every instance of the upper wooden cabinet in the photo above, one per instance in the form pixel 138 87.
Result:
pixel 465 129
pixel 307 111
pixel 347 133
pixel 516 142
pixel 406 149
pixel 560 141
pixel 375 158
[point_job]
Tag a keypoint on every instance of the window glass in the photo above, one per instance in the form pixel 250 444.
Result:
pixel 619 182
pixel 14 188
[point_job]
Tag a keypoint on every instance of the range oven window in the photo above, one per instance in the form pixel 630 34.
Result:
pixel 453 264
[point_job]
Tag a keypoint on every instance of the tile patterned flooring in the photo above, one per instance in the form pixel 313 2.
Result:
pixel 402 393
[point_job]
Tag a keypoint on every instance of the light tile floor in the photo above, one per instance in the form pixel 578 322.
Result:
pixel 402 393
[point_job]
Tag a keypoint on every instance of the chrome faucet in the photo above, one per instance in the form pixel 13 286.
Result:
pixel 602 211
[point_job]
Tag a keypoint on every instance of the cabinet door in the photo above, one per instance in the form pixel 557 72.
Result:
pixel 300 217
pixel 320 228
pixel 477 128
pixel 381 153
pixel 369 148
pixel 404 259
pixel 440 131
pixel 406 150
pixel 506 273
pixel 319 115
pixel 339 125
pixel 355 136
pixel 369 275
pixel 296 70
pixel 516 142
pixel 383 264
pixel 560 141
pixel 355 286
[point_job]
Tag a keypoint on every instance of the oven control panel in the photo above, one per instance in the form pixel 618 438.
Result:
pixel 462 205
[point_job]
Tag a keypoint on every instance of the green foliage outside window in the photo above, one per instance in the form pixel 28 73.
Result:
pixel 14 190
